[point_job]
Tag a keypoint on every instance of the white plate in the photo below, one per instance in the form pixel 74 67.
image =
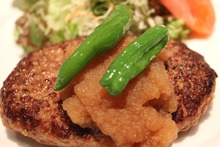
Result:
pixel 207 133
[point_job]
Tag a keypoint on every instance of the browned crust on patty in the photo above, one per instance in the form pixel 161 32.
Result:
pixel 29 105
pixel 193 81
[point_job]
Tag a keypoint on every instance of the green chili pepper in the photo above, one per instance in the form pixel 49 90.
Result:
pixel 133 60
pixel 104 37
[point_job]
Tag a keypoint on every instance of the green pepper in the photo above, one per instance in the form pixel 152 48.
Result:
pixel 134 59
pixel 104 37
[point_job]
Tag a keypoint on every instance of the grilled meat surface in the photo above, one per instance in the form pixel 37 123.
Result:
pixel 29 105
pixel 193 82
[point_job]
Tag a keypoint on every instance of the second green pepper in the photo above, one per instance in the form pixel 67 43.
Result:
pixel 136 56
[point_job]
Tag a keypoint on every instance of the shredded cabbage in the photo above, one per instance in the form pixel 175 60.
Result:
pixel 56 14
pixel 57 21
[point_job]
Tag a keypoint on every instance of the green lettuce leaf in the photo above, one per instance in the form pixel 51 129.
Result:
pixel 36 36
pixel 24 5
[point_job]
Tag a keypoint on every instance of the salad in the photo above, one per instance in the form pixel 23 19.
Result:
pixel 45 22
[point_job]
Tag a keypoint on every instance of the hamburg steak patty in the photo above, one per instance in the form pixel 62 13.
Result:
pixel 29 105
